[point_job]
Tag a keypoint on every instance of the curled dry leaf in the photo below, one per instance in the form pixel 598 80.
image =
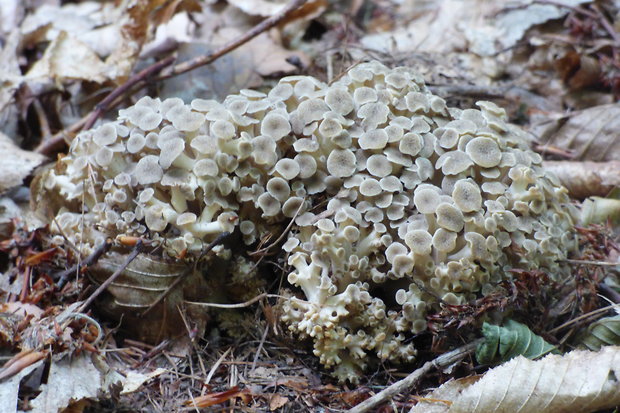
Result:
pixel 597 210
pixel 579 381
pixel 591 134
pixel 16 163
pixel 584 179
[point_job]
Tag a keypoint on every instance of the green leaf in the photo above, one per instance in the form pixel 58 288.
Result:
pixel 513 339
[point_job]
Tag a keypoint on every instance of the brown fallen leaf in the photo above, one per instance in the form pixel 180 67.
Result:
pixel 276 401
pixel 590 134
pixel 212 399
pixel 20 361
pixel 584 179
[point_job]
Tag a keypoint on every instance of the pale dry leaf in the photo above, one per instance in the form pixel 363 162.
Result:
pixel 72 379
pixel 579 381
pixel 134 379
pixel 590 134
pixel 10 80
pixel 11 14
pixel 264 8
pixel 9 389
pixel 522 16
pixel 67 57
pixel 15 163
pixel 584 179
pixel 276 401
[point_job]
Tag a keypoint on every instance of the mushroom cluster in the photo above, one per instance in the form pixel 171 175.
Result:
pixel 400 203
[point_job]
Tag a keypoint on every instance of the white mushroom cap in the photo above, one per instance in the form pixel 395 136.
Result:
pixel 288 168
pixel 279 188
pixel 307 165
pixel 411 144
pixel 449 217
pixel 341 163
pixel 275 125
pixel 370 187
pixel 339 100
pixel 378 165
pixel 148 170
pixel 269 205
pixel 426 200
pixel 467 196
pixel 374 139
pixel 419 241
pixel 484 152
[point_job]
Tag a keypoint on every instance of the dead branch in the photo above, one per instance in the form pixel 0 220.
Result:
pixel 584 179
pixel 63 276
pixel 408 382
pixel 48 146
pixel 134 253
pixel 261 27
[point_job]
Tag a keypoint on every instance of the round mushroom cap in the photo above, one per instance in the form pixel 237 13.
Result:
pixel 444 240
pixel 341 163
pixel 288 168
pixel 467 196
pixel 105 134
pixel 206 167
pixel 269 204
pixel 339 100
pixel 426 200
pixel 279 188
pixel 148 170
pixel 307 165
pixel 419 241
pixel 411 144
pixel 484 152
pixel 275 125
pixel 370 187
pixel 449 217
pixel 374 139
pixel 378 165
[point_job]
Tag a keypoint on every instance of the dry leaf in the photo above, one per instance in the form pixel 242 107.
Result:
pixel 584 179
pixel 134 379
pixel 9 389
pixel 264 8
pixel 67 57
pixel 579 381
pixel 72 379
pixel 276 401
pixel 591 134
pixel 15 163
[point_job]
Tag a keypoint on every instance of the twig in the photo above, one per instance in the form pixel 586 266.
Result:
pixel 141 76
pixel 134 253
pixel 405 384
pixel 286 230
pixel 49 146
pixel 237 305
pixel 247 36
pixel 63 276
pixel 583 317
pixel 259 349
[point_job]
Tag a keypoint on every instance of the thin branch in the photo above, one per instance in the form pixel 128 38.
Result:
pixel 237 305
pixel 139 77
pixel 58 141
pixel 134 253
pixel 63 276
pixel 261 27
pixel 408 382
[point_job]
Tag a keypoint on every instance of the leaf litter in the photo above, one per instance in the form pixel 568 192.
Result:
pixel 552 64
